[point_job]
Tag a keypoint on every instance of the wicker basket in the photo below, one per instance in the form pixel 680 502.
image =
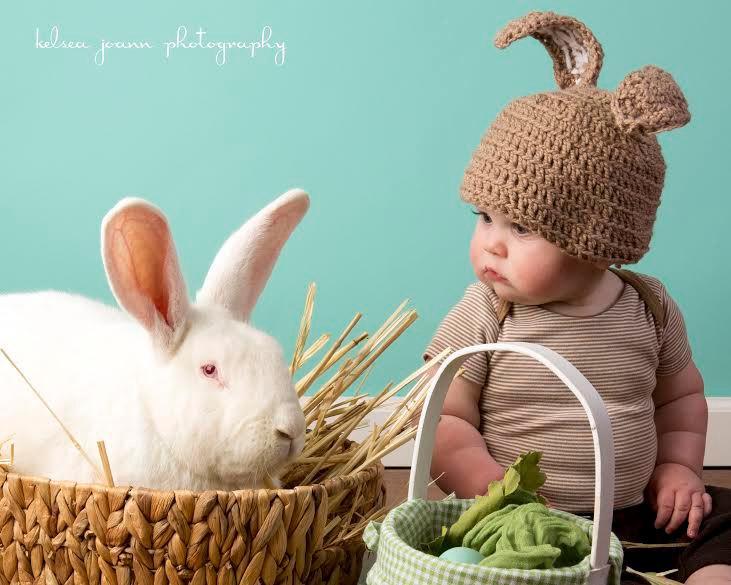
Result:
pixel 56 532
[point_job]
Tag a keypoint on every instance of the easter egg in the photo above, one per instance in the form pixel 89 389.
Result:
pixel 462 554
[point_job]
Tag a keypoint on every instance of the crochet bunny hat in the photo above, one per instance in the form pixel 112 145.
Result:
pixel 579 166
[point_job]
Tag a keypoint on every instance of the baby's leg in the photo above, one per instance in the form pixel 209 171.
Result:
pixel 711 575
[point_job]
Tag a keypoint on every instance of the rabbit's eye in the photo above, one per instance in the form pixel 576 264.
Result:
pixel 209 370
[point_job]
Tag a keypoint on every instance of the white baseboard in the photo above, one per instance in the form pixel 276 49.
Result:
pixel 718 438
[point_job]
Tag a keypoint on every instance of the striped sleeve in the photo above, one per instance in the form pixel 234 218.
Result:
pixel 469 322
pixel 675 352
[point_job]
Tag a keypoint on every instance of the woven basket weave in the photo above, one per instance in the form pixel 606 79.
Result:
pixel 55 532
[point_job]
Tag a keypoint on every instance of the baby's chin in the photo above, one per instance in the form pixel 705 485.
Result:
pixel 508 293
pixel 500 288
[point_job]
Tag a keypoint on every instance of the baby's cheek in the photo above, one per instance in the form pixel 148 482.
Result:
pixel 475 256
pixel 539 278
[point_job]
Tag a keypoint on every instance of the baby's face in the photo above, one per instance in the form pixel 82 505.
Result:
pixel 523 267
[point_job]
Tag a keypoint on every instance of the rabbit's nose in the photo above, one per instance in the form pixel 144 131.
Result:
pixel 289 423
pixel 295 440
pixel 285 434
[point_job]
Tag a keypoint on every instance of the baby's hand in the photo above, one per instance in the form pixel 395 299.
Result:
pixel 676 493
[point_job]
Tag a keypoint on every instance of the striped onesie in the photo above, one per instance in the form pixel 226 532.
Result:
pixel 523 406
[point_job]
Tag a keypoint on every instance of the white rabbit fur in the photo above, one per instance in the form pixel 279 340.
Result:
pixel 137 381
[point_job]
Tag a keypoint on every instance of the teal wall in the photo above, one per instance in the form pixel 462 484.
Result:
pixel 375 112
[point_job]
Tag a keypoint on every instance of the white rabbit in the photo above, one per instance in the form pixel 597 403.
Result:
pixel 185 395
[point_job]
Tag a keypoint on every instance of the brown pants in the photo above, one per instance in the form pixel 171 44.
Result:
pixel 712 546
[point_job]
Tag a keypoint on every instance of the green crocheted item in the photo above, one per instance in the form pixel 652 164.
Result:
pixel 512 528
pixel 519 486
pixel 527 536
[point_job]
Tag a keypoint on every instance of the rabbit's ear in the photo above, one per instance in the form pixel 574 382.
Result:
pixel 143 271
pixel 245 261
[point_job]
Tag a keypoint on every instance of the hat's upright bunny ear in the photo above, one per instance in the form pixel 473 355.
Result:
pixel 577 55
pixel 243 265
pixel 143 271
pixel 649 99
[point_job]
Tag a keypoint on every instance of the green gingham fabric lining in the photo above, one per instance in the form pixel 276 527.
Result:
pixel 414 523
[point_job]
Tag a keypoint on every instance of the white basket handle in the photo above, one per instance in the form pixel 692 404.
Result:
pixel 598 420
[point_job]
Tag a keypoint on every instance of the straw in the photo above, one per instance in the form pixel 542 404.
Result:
pixel 105 463
pixel 628 545
pixel 655 578
pixel 304 329
pixel 332 417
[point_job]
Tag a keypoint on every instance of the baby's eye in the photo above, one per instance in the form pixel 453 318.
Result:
pixel 485 217
pixel 520 230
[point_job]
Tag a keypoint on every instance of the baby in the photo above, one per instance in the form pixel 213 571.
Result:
pixel 566 185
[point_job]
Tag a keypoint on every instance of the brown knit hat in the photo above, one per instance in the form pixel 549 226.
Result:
pixel 579 166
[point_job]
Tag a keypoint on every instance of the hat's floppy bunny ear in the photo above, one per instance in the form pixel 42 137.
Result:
pixel 577 55
pixel 142 268
pixel 649 99
pixel 243 265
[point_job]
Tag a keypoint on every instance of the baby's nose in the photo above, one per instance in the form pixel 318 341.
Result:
pixel 496 246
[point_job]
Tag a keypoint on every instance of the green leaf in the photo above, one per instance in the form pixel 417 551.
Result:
pixel 518 486
pixel 521 496
pixel 531 476
pixel 436 547
pixel 494 500
pixel 511 480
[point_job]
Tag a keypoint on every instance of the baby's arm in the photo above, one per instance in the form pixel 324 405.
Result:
pixel 460 461
pixel 681 416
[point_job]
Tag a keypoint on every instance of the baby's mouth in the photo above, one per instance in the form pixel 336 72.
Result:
pixel 492 275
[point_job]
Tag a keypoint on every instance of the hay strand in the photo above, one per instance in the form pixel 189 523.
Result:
pixel 628 545
pixel 105 463
pixel 332 416
pixel 655 578
pixel 304 329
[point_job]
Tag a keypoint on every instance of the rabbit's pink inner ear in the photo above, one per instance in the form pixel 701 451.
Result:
pixel 144 271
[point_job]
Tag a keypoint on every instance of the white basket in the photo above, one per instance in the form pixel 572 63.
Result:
pixel 598 419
